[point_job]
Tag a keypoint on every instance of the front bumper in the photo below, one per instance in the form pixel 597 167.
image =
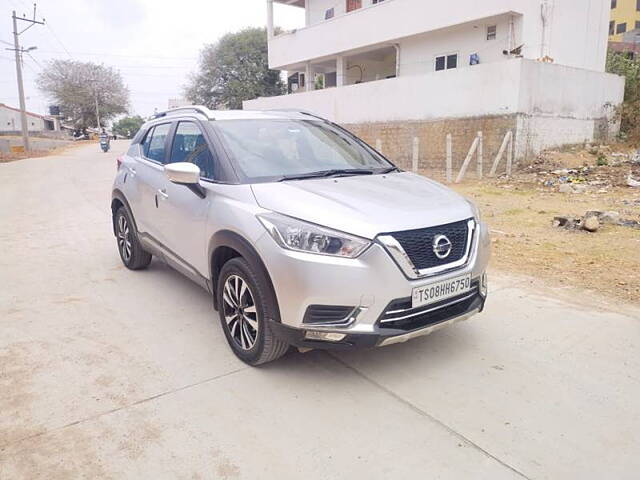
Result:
pixel 381 337
pixel 369 283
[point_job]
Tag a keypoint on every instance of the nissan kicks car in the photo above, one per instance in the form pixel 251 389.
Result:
pixel 304 235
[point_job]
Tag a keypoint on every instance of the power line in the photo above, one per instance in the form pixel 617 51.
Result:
pixel 35 61
pixel 101 54
pixel 59 41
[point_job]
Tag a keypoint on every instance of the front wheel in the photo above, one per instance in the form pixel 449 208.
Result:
pixel 244 305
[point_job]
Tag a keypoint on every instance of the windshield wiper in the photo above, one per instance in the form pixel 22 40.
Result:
pixel 390 169
pixel 327 173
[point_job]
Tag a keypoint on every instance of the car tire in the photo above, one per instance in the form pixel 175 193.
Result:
pixel 131 252
pixel 245 302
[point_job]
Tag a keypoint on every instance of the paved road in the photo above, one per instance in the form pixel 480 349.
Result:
pixel 106 373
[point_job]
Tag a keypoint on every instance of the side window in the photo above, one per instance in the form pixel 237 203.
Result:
pixel 134 150
pixel 154 144
pixel 189 145
pixel 146 142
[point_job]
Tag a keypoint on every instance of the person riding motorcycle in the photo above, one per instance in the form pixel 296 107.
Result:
pixel 105 141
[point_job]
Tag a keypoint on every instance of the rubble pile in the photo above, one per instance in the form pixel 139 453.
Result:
pixel 596 170
pixel 593 220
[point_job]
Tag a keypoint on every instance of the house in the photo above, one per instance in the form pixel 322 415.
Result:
pixel 397 72
pixel 10 121
pixel 625 16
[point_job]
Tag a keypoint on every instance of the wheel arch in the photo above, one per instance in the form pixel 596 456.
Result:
pixel 119 200
pixel 224 246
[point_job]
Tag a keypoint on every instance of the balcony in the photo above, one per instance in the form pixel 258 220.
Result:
pixel 376 24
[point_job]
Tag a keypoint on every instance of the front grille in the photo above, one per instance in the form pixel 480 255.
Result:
pixel 400 316
pixel 326 314
pixel 418 244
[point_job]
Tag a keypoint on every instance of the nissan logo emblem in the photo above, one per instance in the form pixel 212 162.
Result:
pixel 442 246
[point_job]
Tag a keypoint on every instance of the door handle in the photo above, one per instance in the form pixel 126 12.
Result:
pixel 132 171
pixel 163 193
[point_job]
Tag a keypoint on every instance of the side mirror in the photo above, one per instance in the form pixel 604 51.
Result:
pixel 187 174
pixel 182 173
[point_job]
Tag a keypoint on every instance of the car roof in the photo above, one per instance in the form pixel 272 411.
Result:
pixel 203 112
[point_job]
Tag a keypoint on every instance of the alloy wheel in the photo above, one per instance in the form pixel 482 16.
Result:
pixel 124 238
pixel 240 312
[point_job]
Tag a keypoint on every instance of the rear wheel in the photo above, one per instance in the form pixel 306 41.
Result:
pixel 131 252
pixel 244 307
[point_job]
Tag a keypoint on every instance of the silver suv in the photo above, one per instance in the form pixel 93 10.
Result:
pixel 304 235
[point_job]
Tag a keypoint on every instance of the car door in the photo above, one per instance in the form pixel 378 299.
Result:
pixel 184 212
pixel 152 181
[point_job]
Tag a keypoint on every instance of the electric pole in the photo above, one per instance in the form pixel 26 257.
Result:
pixel 19 51
pixel 95 96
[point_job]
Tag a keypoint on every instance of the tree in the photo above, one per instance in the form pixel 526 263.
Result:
pixel 128 126
pixel 625 65
pixel 234 69
pixel 77 86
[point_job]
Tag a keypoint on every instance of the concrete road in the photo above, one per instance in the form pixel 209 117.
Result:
pixel 107 373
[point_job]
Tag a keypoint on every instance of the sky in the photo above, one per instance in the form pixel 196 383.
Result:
pixel 154 44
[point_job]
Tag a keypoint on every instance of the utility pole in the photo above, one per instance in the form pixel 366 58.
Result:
pixel 18 52
pixel 95 95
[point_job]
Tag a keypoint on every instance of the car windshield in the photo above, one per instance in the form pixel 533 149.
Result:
pixel 271 150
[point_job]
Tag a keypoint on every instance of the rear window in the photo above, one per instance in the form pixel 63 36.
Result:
pixel 154 144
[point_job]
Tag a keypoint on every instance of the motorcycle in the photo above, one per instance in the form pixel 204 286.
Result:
pixel 104 144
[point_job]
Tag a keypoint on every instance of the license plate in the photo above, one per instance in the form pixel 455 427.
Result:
pixel 436 292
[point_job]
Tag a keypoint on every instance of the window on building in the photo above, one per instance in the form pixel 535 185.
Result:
pixel 612 27
pixel 637 24
pixel 446 62
pixel 380 1
pixel 492 32
pixel 621 28
pixel 329 13
pixel 614 4
pixel 353 5
pixel 638 5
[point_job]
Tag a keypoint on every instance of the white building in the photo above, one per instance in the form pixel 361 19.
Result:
pixel 10 121
pixel 421 68
pixel 178 102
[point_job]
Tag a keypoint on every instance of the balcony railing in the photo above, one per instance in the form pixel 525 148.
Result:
pixel 376 24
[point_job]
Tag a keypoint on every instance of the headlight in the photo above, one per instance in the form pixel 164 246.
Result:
pixel 300 236
pixel 476 211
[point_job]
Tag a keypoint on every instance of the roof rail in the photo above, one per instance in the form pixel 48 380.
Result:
pixel 188 109
pixel 296 110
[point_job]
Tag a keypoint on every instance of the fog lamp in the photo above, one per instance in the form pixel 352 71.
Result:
pixel 483 285
pixel 324 336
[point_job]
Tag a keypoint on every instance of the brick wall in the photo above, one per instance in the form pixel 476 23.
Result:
pixel 397 140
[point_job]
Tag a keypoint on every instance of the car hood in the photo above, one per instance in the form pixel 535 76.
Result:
pixel 366 205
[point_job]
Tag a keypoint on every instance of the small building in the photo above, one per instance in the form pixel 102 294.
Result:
pixel 398 70
pixel 11 123
pixel 178 102
pixel 625 17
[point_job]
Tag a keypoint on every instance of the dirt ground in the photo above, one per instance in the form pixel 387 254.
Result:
pixel 520 213
pixel 6 157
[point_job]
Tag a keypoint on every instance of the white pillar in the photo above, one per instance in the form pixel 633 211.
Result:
pixel 269 19
pixel 309 78
pixel 341 71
